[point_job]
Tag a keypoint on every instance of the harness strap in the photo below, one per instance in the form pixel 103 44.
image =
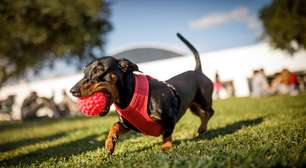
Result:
pixel 136 112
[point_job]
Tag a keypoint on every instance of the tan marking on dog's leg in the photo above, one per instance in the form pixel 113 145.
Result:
pixel 203 115
pixel 204 121
pixel 167 144
pixel 113 135
pixel 155 118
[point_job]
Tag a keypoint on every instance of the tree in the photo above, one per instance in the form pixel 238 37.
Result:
pixel 284 22
pixel 34 32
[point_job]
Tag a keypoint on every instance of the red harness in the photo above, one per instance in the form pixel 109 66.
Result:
pixel 136 112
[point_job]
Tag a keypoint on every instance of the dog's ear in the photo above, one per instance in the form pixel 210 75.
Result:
pixel 127 66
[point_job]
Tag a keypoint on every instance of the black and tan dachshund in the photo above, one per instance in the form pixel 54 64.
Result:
pixel 167 102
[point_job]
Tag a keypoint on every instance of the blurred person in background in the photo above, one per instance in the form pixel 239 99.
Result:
pixel 6 107
pixel 230 89
pixel 30 106
pixel 68 105
pixel 285 82
pixel 280 82
pixel 217 86
pixel 302 82
pixel 293 84
pixel 51 109
pixel 42 107
pixel 260 86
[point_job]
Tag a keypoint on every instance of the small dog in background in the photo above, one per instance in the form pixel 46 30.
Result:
pixel 167 101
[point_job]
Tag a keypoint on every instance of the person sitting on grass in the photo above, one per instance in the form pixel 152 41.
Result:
pixel 293 84
pixel 260 86
pixel 285 82
pixel 6 107
pixel 30 106
pixel 68 105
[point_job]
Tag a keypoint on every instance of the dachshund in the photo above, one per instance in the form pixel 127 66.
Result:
pixel 167 100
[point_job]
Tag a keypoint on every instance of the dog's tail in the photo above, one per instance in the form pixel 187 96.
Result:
pixel 193 50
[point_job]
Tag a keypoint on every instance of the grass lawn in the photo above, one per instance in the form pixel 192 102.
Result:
pixel 244 132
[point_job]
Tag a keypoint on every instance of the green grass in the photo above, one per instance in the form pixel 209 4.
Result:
pixel 244 132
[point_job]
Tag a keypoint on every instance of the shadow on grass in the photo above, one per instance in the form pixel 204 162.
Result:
pixel 10 125
pixel 29 141
pixel 13 145
pixel 88 143
pixel 228 129
pixel 211 134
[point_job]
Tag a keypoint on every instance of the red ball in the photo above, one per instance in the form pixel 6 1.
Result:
pixel 94 104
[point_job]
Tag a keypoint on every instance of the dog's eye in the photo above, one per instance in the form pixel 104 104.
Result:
pixel 98 70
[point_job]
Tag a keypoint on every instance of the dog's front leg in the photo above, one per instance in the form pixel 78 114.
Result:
pixel 167 136
pixel 168 124
pixel 167 143
pixel 113 135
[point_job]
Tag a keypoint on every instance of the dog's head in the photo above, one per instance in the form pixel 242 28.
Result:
pixel 102 75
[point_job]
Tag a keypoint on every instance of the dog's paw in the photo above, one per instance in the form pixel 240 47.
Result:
pixel 202 129
pixel 166 146
pixel 110 146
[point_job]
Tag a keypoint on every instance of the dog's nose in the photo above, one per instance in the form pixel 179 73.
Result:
pixel 75 92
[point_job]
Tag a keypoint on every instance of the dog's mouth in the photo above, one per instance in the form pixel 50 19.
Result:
pixel 109 102
pixel 96 98
pixel 96 103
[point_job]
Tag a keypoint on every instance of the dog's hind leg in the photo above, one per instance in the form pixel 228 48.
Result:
pixel 113 135
pixel 204 115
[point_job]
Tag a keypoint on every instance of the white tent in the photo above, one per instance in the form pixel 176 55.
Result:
pixel 234 65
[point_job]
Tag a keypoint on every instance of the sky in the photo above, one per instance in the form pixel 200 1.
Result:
pixel 209 24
